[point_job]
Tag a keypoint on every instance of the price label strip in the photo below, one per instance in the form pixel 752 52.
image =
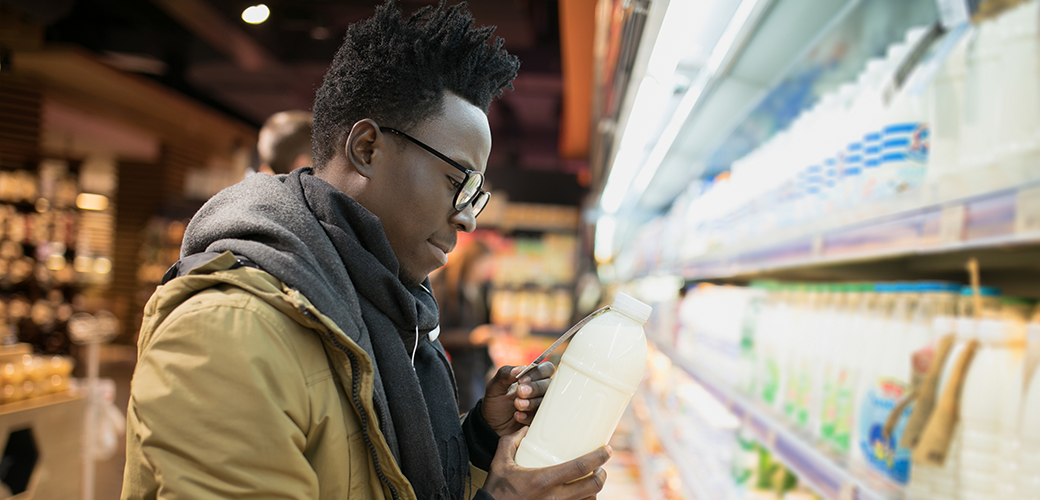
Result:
pixel 951 224
pixel 1027 211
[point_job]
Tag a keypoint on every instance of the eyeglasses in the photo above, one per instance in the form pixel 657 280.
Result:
pixel 469 192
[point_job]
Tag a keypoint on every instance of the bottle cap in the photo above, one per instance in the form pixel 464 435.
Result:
pixel 943 325
pixel 991 330
pixel 631 307
pixel 984 291
pixel 966 328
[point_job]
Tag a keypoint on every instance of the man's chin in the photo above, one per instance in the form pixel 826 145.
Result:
pixel 412 279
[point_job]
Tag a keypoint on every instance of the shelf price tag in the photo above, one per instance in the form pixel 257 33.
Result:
pixel 1027 211
pixel 951 224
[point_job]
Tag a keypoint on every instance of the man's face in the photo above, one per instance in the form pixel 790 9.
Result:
pixel 414 197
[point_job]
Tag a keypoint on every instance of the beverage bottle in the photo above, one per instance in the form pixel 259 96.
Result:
pixel 933 319
pixel 854 345
pixel 980 116
pixel 872 343
pixel 598 374
pixel 775 369
pixel 1019 131
pixel 1029 431
pixel 832 357
pixel 983 402
pixel 1014 314
pixel 887 387
pixel 946 96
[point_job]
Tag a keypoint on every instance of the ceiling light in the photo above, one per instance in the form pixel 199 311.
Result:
pixel 256 14
pixel 604 247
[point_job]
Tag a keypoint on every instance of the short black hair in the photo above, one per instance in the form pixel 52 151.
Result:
pixel 396 71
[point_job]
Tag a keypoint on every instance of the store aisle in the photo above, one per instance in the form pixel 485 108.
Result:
pixel 623 481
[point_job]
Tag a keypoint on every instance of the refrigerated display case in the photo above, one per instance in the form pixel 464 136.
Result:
pixel 882 178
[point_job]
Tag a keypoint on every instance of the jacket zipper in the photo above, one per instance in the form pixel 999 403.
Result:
pixel 355 372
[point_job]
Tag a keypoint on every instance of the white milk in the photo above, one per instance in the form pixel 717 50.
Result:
pixel 854 347
pixel 945 480
pixel 599 373
pixel 981 107
pixel 1014 313
pixel 1029 430
pixel 871 341
pixel 947 94
pixel 983 402
pixel 887 386
pixel 925 476
pixel 1019 132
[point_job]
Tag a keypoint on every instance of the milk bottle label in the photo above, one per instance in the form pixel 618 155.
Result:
pixel 837 409
pixel 885 455
pixel 904 154
pixel 844 407
pixel 770 383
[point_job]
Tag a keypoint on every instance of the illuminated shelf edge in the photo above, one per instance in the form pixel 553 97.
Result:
pixel 988 220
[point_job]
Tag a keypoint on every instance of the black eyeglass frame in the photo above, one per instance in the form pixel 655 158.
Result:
pixel 459 203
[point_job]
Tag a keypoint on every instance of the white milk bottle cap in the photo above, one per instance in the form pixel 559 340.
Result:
pixel 991 330
pixel 943 325
pixel 966 328
pixel 631 307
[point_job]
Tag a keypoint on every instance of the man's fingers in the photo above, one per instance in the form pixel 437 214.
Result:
pixel 511 442
pixel 530 405
pixel 589 486
pixel 545 369
pixel 589 462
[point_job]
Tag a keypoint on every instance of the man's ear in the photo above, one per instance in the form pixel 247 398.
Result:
pixel 362 147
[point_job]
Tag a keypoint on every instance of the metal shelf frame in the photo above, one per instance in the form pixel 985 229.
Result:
pixel 817 469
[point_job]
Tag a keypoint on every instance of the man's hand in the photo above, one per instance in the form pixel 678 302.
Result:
pixel 508 407
pixel 580 478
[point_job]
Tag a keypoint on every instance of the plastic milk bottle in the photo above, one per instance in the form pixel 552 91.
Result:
pixel 598 375
pixel 1029 425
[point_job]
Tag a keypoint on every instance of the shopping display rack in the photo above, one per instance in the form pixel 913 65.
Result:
pixel 818 469
pixel 1005 218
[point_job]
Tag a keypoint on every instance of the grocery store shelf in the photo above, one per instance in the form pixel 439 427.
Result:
pixel 643 462
pixel 1002 219
pixel 690 470
pixel 815 468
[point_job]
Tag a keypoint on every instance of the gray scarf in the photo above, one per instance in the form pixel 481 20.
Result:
pixel 321 242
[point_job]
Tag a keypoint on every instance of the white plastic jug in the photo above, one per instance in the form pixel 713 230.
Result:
pixel 1029 430
pixel 982 405
pixel 598 374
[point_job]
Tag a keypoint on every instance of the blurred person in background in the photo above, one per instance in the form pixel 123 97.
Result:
pixel 461 289
pixel 292 352
pixel 285 142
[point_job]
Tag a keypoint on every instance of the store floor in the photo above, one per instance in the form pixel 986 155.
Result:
pixel 117 363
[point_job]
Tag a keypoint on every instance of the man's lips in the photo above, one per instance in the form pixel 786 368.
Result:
pixel 440 250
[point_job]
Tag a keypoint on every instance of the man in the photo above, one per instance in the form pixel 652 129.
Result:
pixel 285 142
pixel 302 362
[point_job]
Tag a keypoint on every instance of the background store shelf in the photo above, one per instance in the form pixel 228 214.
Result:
pixel 817 469
pixel 1001 228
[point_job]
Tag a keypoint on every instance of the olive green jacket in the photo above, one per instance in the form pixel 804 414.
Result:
pixel 244 390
